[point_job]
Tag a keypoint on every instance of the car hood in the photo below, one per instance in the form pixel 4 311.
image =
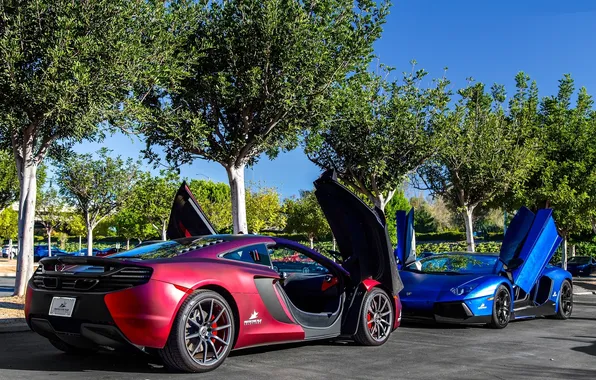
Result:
pixel 360 232
pixel 187 217
pixel 430 288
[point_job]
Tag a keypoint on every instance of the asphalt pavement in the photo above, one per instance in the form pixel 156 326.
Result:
pixel 6 286
pixel 532 349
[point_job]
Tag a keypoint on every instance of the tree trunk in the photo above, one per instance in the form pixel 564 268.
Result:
pixel 564 253
pixel 50 243
pixel 164 231
pixel 312 242
pixel 573 250
pixel 89 239
pixel 80 245
pixel 27 171
pixel 236 178
pixel 469 228
pixel 10 249
pixel 334 242
pixel 127 244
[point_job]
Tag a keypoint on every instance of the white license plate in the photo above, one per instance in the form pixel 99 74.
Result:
pixel 62 306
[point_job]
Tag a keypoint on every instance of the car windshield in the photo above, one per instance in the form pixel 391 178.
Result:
pixel 579 260
pixel 455 264
pixel 167 249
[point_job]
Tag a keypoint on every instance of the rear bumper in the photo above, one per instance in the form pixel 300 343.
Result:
pixel 140 316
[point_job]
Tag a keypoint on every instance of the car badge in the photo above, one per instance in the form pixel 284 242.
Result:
pixel 253 320
pixel 481 307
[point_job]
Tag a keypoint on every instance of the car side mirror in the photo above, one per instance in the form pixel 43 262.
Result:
pixel 283 275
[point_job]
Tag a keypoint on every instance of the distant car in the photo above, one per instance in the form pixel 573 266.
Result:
pixel 581 265
pixel 7 249
pixel 106 252
pixel 41 251
pixel 298 266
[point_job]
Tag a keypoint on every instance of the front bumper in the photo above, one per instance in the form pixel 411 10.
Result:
pixel 139 316
pixel 447 312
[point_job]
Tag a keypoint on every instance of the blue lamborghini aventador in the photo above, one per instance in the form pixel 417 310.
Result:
pixel 491 289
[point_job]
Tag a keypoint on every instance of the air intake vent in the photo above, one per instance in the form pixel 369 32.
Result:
pixel 117 279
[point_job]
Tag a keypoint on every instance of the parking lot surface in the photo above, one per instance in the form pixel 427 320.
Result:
pixel 532 349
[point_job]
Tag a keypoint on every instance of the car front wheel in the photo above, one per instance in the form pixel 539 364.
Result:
pixel 565 301
pixel 202 334
pixel 501 308
pixel 376 319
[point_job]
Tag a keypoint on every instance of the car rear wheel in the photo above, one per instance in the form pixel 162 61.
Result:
pixel 202 334
pixel 501 308
pixel 565 301
pixel 376 319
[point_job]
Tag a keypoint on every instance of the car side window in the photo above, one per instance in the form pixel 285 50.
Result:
pixel 287 260
pixel 255 254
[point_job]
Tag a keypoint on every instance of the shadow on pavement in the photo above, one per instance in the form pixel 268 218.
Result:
pixel 60 362
pixel 590 349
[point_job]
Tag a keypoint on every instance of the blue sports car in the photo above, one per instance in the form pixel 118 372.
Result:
pixel 490 289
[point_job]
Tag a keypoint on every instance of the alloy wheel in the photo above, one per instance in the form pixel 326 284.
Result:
pixel 378 317
pixel 566 300
pixel 208 332
pixel 503 306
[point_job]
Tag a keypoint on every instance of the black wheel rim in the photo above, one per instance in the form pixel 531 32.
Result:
pixel 566 299
pixel 208 332
pixel 503 307
pixel 378 317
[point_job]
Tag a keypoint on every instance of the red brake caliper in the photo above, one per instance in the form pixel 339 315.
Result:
pixel 369 319
pixel 214 326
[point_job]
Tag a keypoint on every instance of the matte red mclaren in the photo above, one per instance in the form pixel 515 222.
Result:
pixel 193 299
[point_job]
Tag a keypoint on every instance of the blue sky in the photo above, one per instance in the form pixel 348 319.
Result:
pixel 488 40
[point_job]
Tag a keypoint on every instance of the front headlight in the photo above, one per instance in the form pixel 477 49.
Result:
pixel 463 289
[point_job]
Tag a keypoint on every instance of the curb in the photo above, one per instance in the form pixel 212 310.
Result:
pixel 14 327
pixel 583 293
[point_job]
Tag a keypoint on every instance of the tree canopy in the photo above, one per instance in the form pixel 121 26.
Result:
pixel 256 70
pixel 304 216
pixel 98 187
pixel 66 67
pixel 483 154
pixel 377 132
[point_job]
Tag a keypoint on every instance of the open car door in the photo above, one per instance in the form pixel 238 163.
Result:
pixel 187 217
pixel 405 252
pixel 361 233
pixel 529 244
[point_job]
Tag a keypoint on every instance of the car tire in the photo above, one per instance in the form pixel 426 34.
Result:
pixel 376 319
pixel 565 301
pixel 202 334
pixel 70 349
pixel 501 308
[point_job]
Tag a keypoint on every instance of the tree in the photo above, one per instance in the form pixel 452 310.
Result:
pixel 484 155
pixel 215 200
pixel 65 68
pixel 9 226
pixel 257 71
pixel 131 224
pixel 264 209
pixel 564 178
pixel 304 215
pixel 377 132
pixel 50 213
pixel 98 187
pixel 76 226
pixel 397 202
pixel 153 196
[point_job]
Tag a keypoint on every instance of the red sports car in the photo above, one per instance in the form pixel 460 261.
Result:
pixel 193 299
